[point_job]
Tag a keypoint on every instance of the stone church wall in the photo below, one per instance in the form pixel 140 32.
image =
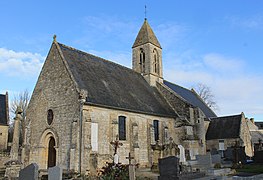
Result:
pixel 181 107
pixel 54 90
pixel 3 137
pixel 139 135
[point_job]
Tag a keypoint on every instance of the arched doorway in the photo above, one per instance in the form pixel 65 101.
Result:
pixel 51 153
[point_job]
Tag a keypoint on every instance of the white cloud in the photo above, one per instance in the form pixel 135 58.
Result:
pixel 20 64
pixel 235 89
pixel 253 22
pixel 101 30
pixel 221 63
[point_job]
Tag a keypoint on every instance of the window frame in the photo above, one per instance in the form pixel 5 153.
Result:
pixel 122 128
pixel 156 129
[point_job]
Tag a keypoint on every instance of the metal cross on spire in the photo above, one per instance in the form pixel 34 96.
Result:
pixel 145 12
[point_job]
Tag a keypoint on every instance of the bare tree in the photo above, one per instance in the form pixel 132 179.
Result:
pixel 21 100
pixel 206 94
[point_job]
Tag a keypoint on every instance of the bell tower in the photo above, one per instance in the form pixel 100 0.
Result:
pixel 147 55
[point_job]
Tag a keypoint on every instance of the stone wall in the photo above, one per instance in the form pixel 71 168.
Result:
pixel 150 76
pixel 3 136
pixel 246 137
pixel 193 115
pixel 54 90
pixel 244 140
pixel 177 103
pixel 200 130
pixel 4 157
pixel 138 134
pixel 214 144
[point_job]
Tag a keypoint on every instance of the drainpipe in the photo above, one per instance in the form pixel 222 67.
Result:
pixel 82 100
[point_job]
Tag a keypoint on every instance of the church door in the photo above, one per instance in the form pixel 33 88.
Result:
pixel 51 153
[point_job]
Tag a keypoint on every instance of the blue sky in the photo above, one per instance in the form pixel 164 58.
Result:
pixel 218 43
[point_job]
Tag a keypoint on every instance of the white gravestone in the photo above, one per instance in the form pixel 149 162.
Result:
pixel 94 136
pixel 182 154
pixel 116 159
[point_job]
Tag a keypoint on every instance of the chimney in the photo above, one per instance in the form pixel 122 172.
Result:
pixel 252 120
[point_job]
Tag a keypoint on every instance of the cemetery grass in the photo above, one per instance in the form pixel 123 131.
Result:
pixel 251 168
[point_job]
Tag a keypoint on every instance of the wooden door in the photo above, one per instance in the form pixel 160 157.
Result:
pixel 51 153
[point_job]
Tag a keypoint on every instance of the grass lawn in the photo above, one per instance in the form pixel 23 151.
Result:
pixel 251 168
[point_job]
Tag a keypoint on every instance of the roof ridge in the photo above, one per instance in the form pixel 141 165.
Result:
pixel 226 116
pixel 175 93
pixel 57 44
pixel 201 99
pixel 100 58
pixel 178 85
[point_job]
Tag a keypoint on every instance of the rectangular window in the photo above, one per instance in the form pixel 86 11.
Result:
pixel 156 129
pixel 221 144
pixel 122 128
pixel 94 136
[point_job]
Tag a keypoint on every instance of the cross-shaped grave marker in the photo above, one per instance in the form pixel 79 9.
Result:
pixel 130 158
pixel 131 168
pixel 116 144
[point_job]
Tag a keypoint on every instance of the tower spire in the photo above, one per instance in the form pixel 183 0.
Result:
pixel 147 55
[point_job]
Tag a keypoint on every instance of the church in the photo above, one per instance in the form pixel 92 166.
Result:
pixel 82 103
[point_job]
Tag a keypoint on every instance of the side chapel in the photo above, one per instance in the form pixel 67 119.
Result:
pixel 81 103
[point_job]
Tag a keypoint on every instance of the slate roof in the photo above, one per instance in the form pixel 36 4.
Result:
pixel 3 111
pixel 259 125
pixel 191 98
pixel 255 136
pixel 146 35
pixel 112 85
pixel 224 127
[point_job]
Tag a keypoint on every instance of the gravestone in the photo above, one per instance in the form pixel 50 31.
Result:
pixel 116 159
pixel 204 162
pixel 157 149
pixel 55 173
pixel 169 168
pixel 131 172
pixel 12 169
pixel 239 154
pixel 216 158
pixel 29 173
pixel 131 168
pixel 258 157
pixel 171 149
pixel 182 154
pixel 228 154
pixel 214 151
pixel 187 154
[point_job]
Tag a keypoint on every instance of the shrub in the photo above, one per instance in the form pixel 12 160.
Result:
pixel 217 166
pixel 114 171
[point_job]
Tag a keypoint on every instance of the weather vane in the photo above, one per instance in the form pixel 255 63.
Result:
pixel 145 12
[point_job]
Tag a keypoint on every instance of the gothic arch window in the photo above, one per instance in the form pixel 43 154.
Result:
pixel 155 62
pixel 122 127
pixel 142 60
pixel 156 129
